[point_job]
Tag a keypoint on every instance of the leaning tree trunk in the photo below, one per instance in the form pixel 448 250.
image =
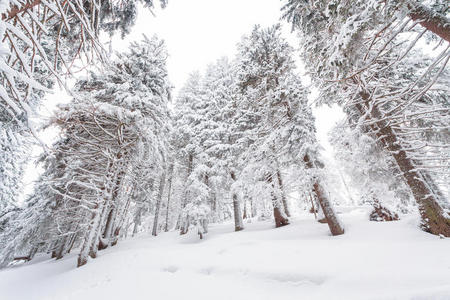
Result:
pixel 65 243
pixel 72 241
pixel 105 241
pixel 278 213
pixel 432 21
pixel 108 236
pixel 238 222
pixel 121 219
pixel 95 243
pixel 90 235
pixel 333 222
pixel 162 183
pixel 433 220
pixel 60 251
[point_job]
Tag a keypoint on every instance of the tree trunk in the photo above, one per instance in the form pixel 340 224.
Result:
pixel 283 194
pixel 121 219
pixel 72 242
pixel 162 183
pixel 181 222
pixel 137 221
pixel 434 22
pixel 59 253
pixel 346 187
pixel 433 220
pixel 169 182
pixel 66 243
pixel 332 219
pixel 313 208
pixel 98 232
pixel 89 237
pixel 112 215
pixel 244 216
pixel 104 242
pixel 278 213
pixel 238 222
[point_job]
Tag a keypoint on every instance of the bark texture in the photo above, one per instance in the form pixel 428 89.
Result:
pixel 436 23
pixel 332 220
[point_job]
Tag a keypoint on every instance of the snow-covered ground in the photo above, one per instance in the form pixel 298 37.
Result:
pixel 372 260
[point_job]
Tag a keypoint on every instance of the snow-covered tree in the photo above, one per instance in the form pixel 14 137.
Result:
pixel 70 28
pixel 361 55
pixel 282 131
pixel 370 172
pixel 116 126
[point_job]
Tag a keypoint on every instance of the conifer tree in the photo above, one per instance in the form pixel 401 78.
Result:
pixel 357 60
pixel 117 123
pixel 282 131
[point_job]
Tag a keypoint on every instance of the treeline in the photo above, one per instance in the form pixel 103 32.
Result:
pixel 123 161
pixel 238 140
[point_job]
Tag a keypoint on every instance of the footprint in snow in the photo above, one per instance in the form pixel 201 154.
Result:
pixel 170 269
pixel 294 279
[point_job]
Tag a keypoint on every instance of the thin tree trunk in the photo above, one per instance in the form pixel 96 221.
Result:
pixel 137 221
pixel 66 243
pixel 162 183
pixel 238 222
pixel 89 237
pixel 122 218
pixel 312 206
pixel 252 208
pixel 433 220
pixel 105 242
pixel 169 183
pixel 278 213
pixel 72 242
pixel 184 225
pixel 59 253
pixel 94 245
pixel 112 215
pixel 332 220
pixel 346 187
pixel 244 216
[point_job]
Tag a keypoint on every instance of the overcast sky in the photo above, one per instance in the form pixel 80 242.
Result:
pixel 198 32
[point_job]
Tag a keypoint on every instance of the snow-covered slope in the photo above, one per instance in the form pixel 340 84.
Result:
pixel 301 261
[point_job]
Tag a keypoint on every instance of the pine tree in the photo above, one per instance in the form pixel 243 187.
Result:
pixel 117 123
pixel 282 131
pixel 56 34
pixel 356 57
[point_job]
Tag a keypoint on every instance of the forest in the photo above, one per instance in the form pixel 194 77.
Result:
pixel 231 157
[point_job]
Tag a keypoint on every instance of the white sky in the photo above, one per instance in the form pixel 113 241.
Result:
pixel 198 32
